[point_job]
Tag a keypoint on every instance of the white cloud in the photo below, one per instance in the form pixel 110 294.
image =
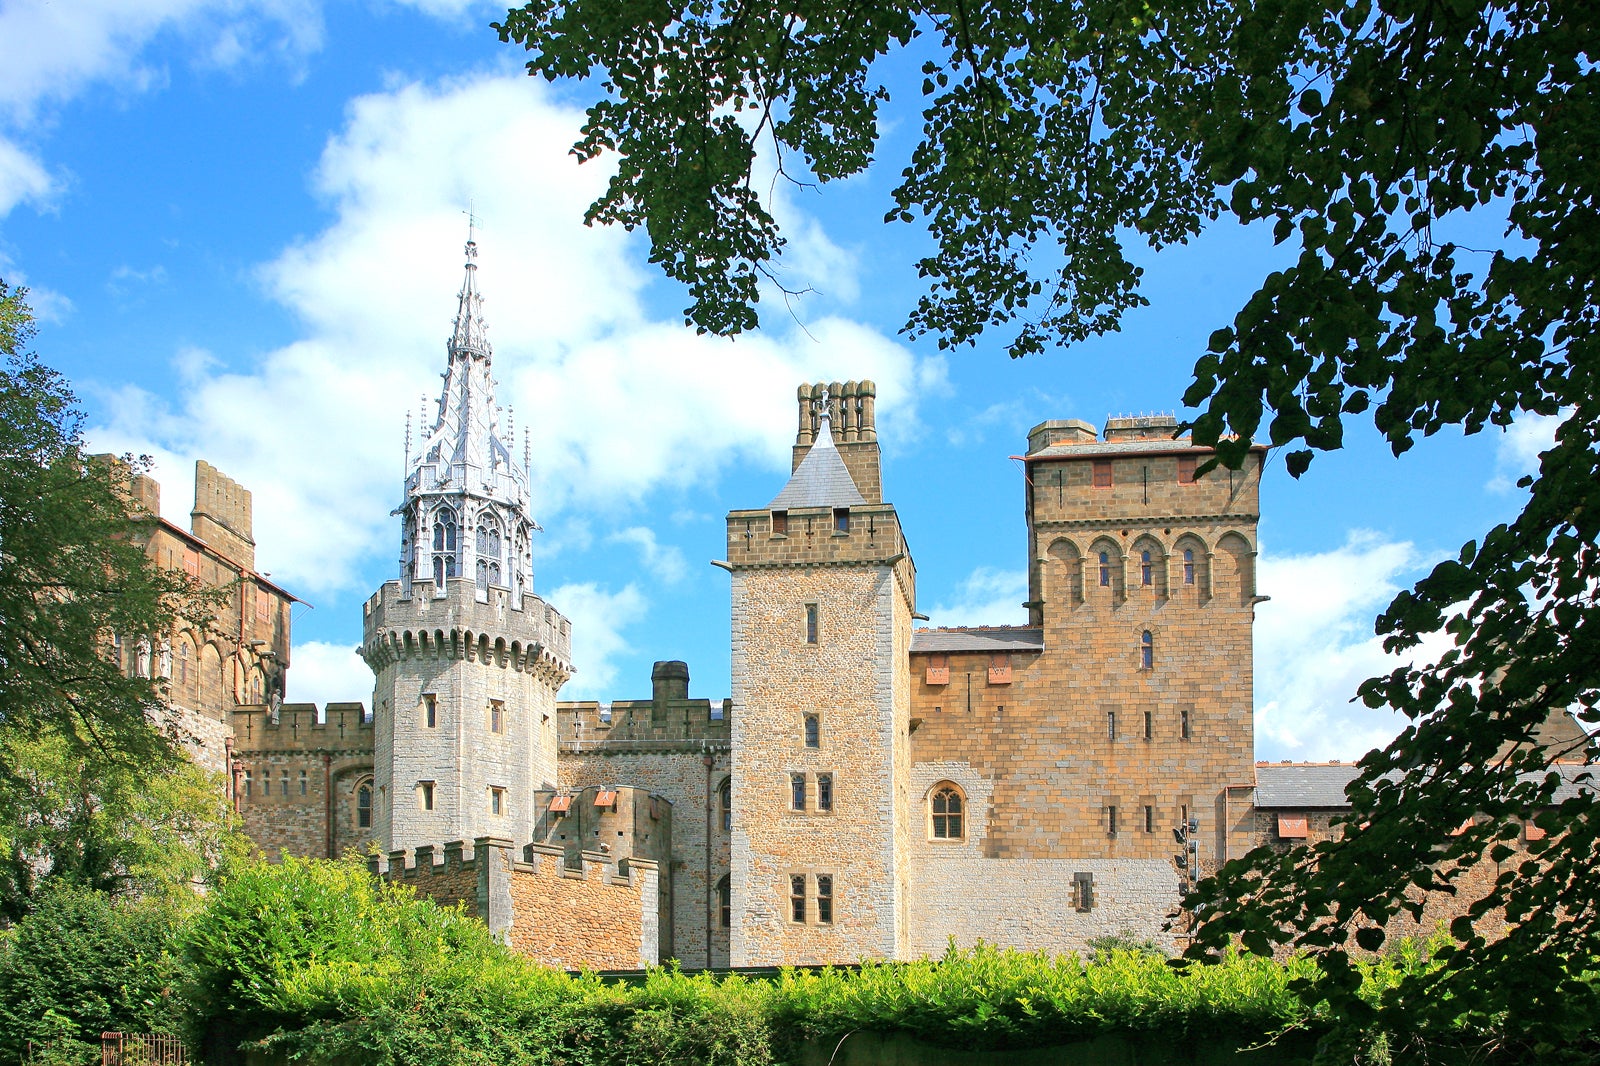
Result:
pixel 324 673
pixel 1517 452
pixel 23 178
pixel 665 564
pixel 987 597
pixel 1314 644
pixel 619 405
pixel 598 619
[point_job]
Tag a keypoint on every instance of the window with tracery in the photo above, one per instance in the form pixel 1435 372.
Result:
pixel 444 545
pixel 489 554
pixel 947 811
pixel 364 807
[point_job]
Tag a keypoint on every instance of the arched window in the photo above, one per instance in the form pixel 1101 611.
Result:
pixel 813 731
pixel 725 801
pixel 364 807
pixel 489 548
pixel 1147 651
pixel 1188 566
pixel 946 807
pixel 724 902
pixel 1105 569
pixel 444 544
pixel 1145 569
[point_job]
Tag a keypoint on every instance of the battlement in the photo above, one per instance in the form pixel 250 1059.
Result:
pixel 339 727
pixel 609 907
pixel 402 624
pixel 817 536
pixel 222 514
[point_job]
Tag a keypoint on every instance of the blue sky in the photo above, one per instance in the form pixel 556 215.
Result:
pixel 242 225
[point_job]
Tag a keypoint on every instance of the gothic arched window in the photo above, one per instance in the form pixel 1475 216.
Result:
pixel 1147 651
pixel 1145 569
pixel 813 731
pixel 1188 566
pixel 725 801
pixel 364 807
pixel 946 809
pixel 444 544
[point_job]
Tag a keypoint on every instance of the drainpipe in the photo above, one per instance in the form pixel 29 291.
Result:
pixel 327 800
pixel 709 761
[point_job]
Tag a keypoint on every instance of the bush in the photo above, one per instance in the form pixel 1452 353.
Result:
pixel 81 964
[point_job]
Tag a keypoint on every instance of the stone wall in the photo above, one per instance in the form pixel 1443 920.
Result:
pixel 297 775
pixel 599 916
pixel 464 709
pixel 682 756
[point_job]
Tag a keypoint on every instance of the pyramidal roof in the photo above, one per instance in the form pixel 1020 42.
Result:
pixel 821 479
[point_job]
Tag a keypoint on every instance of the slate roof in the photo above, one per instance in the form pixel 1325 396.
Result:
pixel 1307 785
pixel 978 638
pixel 821 479
pixel 1303 784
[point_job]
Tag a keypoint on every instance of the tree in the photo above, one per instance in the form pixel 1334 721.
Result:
pixel 82 964
pixel 94 786
pixel 1369 135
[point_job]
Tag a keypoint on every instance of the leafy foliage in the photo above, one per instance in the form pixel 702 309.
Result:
pixel 1433 163
pixel 91 789
pixel 104 825
pixel 83 963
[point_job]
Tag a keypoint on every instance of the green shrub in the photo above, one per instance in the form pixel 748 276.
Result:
pixel 83 963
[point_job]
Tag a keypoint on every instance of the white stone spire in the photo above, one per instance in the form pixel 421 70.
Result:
pixel 466 513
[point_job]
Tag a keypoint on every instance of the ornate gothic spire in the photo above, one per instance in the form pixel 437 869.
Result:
pixel 466 511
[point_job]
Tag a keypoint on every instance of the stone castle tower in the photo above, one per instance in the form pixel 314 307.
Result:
pixel 823 594
pixel 468 660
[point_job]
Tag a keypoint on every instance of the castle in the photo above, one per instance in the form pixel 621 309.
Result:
pixel 871 790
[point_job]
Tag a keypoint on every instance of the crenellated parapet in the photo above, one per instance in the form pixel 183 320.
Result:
pixel 302 727
pixel 402 625
pixel 598 914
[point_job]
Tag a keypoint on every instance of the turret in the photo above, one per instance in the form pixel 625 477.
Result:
pixel 468 660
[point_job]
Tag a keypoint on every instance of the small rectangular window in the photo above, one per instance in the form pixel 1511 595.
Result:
pixel 497 801
pixel 811 623
pixel 1102 473
pixel 797 792
pixel 249 783
pixel 497 716
pixel 841 519
pixel 1111 820
pixel 1149 725
pixel 824 792
pixel 825 898
pixel 1183 720
pixel 1186 465
pixel 1149 818
pixel 725 902
pixel 425 795
pixel 1083 891
pixel 283 780
pixel 430 710
pixel 1111 725
pixel 302 782
pixel 780 522
pixel 797 897
pixel 266 783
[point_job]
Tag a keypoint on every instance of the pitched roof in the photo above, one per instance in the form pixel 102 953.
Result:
pixel 978 638
pixel 1291 785
pixel 821 479
pixel 1303 784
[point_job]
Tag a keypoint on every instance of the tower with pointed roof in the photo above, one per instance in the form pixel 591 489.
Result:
pixel 823 596
pixel 468 660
